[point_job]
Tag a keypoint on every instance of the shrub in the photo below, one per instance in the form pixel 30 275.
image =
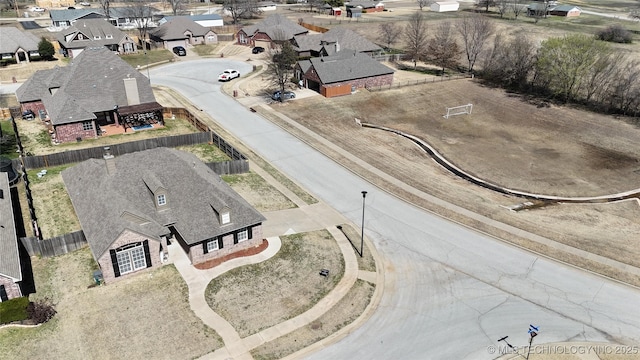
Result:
pixel 13 310
pixel 615 33
pixel 41 312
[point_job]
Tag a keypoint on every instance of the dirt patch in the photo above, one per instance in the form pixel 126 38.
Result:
pixel 137 318
pixel 507 141
pixel 288 284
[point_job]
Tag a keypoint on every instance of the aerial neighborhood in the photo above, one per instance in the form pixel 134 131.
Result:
pixel 174 173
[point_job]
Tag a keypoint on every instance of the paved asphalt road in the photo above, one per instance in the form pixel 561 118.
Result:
pixel 449 292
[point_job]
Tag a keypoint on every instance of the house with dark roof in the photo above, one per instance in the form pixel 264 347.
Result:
pixel 365 5
pixel 130 207
pixel 17 45
pixel 342 73
pixel 10 267
pixel 274 28
pixel 329 43
pixel 122 17
pixel 94 33
pixel 182 31
pixel 96 89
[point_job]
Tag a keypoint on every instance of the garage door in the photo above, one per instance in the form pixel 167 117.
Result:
pixel 313 85
pixel 264 44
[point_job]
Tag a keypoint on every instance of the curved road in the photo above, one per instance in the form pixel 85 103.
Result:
pixel 449 292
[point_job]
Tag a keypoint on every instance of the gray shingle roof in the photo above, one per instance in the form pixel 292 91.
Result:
pixel 175 29
pixel 347 65
pixel 75 14
pixel 92 82
pixel 276 26
pixel 12 38
pixel 194 193
pixel 9 258
pixel 347 39
pixel 91 29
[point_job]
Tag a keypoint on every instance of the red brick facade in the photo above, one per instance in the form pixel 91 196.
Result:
pixel 197 255
pixel 73 131
pixel 12 289
pixel 373 81
pixel 129 237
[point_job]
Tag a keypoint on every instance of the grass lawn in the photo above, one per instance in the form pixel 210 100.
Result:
pixel 8 145
pixel 143 317
pixel 206 50
pixel 349 308
pixel 258 192
pixel 256 297
pixel 205 152
pixel 51 201
pixel 150 57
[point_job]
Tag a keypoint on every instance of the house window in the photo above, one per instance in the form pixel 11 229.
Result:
pixel 212 245
pixel 226 218
pixel 131 258
pixel 87 125
pixel 96 37
pixel 3 294
pixel 243 236
pixel 162 200
pixel 109 36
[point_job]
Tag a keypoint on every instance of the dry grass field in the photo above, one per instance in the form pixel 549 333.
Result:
pixel 538 148
pixel 280 288
pixel 142 317
pixel 259 193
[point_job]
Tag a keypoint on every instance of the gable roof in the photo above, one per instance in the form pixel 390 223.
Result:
pixel 92 82
pixel 276 26
pixel 14 39
pixel 108 204
pixel 365 4
pixel 75 14
pixel 177 26
pixel 346 38
pixel 347 65
pixel 9 258
pixel 566 8
pixel 91 29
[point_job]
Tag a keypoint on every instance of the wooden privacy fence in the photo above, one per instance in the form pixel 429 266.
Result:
pixel 435 79
pixel 229 167
pixel 54 246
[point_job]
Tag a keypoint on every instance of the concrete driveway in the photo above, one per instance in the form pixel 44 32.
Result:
pixel 450 292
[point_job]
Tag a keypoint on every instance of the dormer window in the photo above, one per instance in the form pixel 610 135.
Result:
pixel 96 37
pixel 225 217
pixel 162 200
pixel 109 36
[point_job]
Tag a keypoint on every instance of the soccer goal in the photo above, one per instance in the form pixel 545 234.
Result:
pixel 459 110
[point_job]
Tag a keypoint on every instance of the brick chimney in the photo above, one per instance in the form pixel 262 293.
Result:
pixel 110 161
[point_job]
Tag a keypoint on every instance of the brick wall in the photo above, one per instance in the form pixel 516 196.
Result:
pixel 361 83
pixel 128 237
pixel 70 132
pixel 197 255
pixel 12 289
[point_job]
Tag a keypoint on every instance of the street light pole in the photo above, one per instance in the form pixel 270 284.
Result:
pixel 364 195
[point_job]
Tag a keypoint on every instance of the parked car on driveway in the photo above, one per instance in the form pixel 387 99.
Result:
pixel 228 74
pixel 84 3
pixel 37 9
pixel 179 50
pixel 278 96
pixel 257 50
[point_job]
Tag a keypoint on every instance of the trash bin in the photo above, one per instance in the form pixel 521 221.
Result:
pixel 235 93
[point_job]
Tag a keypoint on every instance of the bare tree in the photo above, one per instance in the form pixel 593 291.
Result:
pixel 282 58
pixel 510 61
pixel 443 49
pixel 242 9
pixel 105 5
pixel 142 15
pixel 177 6
pixel 517 7
pixel 486 4
pixel 503 6
pixel 415 33
pixel 475 31
pixel 389 33
pixel 423 3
